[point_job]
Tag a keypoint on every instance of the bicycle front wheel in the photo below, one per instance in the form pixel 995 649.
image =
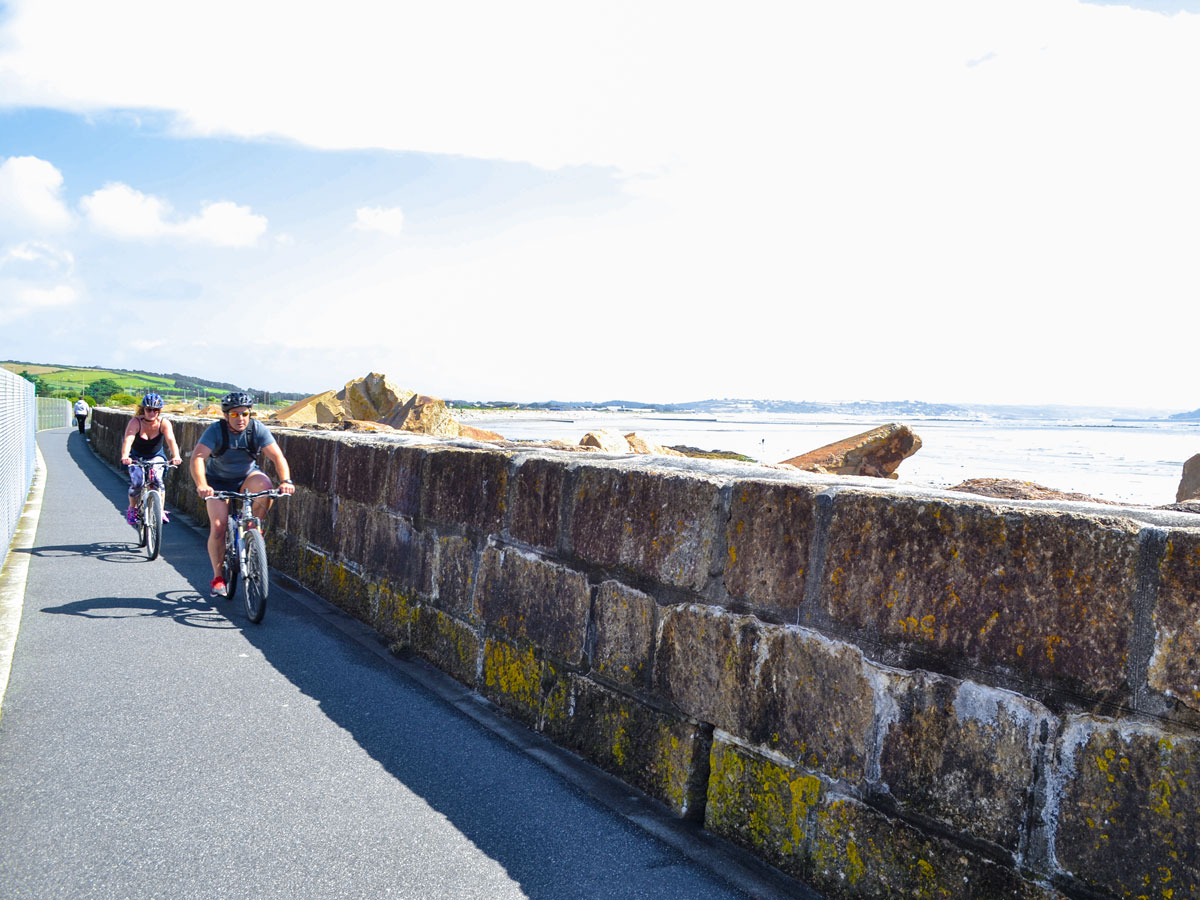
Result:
pixel 152 523
pixel 255 582
pixel 230 566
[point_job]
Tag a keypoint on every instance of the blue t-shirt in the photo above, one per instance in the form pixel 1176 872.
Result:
pixel 236 462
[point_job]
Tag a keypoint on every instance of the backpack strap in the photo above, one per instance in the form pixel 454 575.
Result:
pixel 251 443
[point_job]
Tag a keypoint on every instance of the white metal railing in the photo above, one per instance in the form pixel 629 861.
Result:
pixel 54 413
pixel 18 453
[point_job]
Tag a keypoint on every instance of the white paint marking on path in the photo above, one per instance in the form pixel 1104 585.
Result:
pixel 15 571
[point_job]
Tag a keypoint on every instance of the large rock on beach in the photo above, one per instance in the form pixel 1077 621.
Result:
pixel 1189 485
pixel 877 453
pixel 608 441
pixel 1012 489
pixel 374 403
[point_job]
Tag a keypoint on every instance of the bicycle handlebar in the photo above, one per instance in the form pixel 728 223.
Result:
pixel 246 495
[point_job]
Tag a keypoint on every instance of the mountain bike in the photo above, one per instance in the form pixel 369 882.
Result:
pixel 149 519
pixel 246 551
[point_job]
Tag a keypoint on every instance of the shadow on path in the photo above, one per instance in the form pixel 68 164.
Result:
pixel 547 834
pixel 185 607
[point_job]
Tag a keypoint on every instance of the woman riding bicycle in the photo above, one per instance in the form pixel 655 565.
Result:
pixel 224 459
pixel 145 436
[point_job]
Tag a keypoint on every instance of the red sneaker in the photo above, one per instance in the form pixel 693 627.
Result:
pixel 218 587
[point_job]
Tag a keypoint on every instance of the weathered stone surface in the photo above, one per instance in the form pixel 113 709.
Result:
pixel 763 805
pixel 312 459
pixel 394 549
pixel 338 583
pixel 362 472
pixel 877 453
pixel 655 524
pixel 857 852
pixel 395 611
pixel 768 537
pixel 756 682
pixel 1130 803
pixel 1189 483
pixel 828 728
pixel 537 502
pixel 404 480
pixel 466 488
pixel 308 515
pixel 1040 594
pixel 664 756
pixel 707 666
pixel 523 685
pixel 964 754
pixel 449 643
pixel 455 576
pixel 1175 664
pixel 603 439
pixel 625 622
pixel 530 599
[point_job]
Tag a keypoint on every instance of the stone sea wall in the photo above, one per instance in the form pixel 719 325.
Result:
pixel 881 690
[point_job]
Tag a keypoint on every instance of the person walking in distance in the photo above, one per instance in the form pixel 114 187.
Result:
pixel 81 412
pixel 145 436
pixel 225 459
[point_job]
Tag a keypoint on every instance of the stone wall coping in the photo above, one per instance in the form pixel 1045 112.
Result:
pixel 729 471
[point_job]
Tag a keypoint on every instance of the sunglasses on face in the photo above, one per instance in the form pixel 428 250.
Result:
pixel 239 415
pixel 151 411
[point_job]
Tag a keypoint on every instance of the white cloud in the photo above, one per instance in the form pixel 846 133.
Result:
pixel 31 197
pixel 916 174
pixel 123 212
pixel 373 218
pixel 35 277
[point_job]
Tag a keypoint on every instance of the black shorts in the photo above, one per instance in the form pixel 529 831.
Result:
pixel 224 484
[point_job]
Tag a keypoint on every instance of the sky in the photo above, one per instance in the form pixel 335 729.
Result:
pixel 960 201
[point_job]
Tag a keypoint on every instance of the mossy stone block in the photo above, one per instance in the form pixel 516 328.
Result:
pixel 530 599
pixel 768 537
pixel 1045 596
pixel 656 524
pixel 1130 804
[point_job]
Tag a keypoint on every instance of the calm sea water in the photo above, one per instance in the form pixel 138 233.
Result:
pixel 1128 462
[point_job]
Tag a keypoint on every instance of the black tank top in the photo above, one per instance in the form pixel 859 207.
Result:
pixel 147 448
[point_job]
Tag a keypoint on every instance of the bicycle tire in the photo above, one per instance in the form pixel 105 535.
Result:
pixel 152 514
pixel 229 566
pixel 140 521
pixel 256 584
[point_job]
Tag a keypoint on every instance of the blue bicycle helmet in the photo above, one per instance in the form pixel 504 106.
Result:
pixel 234 399
pixel 152 401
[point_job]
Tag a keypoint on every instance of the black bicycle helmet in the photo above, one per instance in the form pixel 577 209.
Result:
pixel 234 399
pixel 152 401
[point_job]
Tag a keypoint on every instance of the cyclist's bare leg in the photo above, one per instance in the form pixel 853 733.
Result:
pixel 218 521
pixel 258 481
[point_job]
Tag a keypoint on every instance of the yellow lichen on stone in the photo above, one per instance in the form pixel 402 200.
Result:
pixel 760 802
pixel 514 673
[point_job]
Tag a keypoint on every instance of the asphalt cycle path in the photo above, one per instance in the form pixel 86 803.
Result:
pixel 154 743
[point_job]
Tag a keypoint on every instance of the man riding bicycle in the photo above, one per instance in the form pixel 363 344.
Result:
pixel 145 436
pixel 224 459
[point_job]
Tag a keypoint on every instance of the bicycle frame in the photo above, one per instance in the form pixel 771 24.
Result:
pixel 149 514
pixel 239 546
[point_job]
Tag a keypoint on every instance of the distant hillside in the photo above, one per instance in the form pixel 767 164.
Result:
pixel 1187 416
pixel 60 379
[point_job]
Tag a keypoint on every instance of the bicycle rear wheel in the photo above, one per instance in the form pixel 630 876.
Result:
pixel 255 582
pixel 230 566
pixel 152 523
